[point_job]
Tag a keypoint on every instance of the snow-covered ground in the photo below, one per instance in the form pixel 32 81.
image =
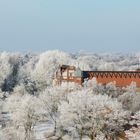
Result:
pixel 41 129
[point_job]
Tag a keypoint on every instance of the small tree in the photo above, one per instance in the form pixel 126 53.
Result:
pixel 24 114
pixel 130 101
pixel 111 90
pixel 96 87
pixel 132 87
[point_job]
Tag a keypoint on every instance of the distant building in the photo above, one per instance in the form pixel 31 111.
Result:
pixel 66 73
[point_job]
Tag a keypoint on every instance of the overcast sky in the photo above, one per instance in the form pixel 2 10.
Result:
pixel 70 25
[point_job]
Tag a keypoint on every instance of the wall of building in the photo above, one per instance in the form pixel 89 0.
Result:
pixel 122 78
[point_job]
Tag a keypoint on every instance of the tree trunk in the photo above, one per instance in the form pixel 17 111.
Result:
pixel 55 127
pixel 28 133
pixel 93 136
pixel 81 134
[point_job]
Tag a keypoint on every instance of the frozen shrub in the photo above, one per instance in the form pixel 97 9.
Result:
pixel 136 102
pixel 131 88
pixel 96 87
pixel 130 101
pixel 111 90
pixel 126 99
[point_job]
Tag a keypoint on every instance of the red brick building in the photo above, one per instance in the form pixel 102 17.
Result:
pixel 67 73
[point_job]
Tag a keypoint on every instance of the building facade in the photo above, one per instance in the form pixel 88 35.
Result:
pixel 67 73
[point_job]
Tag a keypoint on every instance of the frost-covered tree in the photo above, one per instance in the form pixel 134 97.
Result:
pixel 131 88
pixel 96 87
pixel 37 70
pixel 27 66
pixel 130 101
pixel 91 115
pixel 19 89
pixel 24 114
pixel 5 67
pixel 130 97
pixel 47 65
pixel 111 90
pixel 9 64
pixel 51 98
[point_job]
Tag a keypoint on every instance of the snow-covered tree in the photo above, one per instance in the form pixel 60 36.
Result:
pixel 111 90
pixel 9 65
pixel 51 98
pixel 96 87
pixel 20 89
pixel 27 66
pixel 24 114
pixel 91 115
pixel 47 65
pixel 130 101
pixel 5 67
pixel 132 87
